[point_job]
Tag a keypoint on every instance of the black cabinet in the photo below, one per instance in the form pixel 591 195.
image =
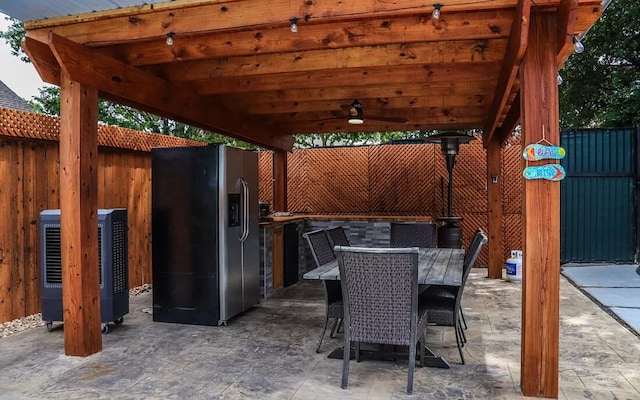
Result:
pixel 290 254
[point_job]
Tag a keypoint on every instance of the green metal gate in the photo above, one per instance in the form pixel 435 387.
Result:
pixel 598 211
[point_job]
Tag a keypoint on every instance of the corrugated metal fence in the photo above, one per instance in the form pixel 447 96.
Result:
pixel 599 220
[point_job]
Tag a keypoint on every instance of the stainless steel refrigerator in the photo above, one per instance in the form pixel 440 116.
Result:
pixel 205 242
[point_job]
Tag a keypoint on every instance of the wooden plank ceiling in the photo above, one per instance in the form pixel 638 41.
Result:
pixel 236 67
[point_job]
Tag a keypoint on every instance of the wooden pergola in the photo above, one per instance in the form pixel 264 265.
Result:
pixel 238 67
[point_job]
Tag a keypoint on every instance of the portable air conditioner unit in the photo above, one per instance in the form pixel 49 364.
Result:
pixel 113 260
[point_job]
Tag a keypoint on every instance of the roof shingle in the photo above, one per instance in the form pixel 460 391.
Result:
pixel 9 99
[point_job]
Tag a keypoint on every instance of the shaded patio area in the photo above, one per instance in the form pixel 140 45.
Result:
pixel 268 353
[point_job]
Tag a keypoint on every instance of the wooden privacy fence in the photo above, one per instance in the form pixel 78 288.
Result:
pixel 407 179
pixel 29 182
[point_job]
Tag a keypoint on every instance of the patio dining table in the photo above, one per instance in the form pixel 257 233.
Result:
pixel 436 266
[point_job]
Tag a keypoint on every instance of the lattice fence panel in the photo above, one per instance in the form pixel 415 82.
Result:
pixel 512 233
pixel 338 179
pixel 265 168
pixel 512 180
pixel 27 125
pixel 469 178
pixel 22 124
pixel 469 224
pixel 298 190
pixel 401 179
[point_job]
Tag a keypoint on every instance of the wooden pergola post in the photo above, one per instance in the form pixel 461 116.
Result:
pixel 494 215
pixel 79 220
pixel 541 214
pixel 280 180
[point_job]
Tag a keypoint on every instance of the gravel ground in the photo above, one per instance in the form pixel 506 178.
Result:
pixel 35 320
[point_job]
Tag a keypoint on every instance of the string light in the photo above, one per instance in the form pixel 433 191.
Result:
pixel 170 38
pixel 577 45
pixel 294 24
pixel 436 11
pixel 560 80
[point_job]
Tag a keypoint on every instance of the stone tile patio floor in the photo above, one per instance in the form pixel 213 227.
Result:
pixel 268 353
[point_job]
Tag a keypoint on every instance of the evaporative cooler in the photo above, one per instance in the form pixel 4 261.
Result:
pixel 113 260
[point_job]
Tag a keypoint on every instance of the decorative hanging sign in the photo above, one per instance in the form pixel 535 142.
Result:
pixel 544 150
pixel 537 152
pixel 552 172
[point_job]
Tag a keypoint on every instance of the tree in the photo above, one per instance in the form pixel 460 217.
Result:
pixel 602 85
pixel 13 36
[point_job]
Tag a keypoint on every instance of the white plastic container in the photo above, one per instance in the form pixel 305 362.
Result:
pixel 514 266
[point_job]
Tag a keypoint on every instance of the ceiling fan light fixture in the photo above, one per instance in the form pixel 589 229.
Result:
pixel 355 113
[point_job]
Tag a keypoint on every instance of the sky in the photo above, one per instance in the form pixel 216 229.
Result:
pixel 19 76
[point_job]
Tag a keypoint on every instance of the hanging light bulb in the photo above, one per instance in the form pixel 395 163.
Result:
pixel 170 38
pixel 294 24
pixel 577 45
pixel 560 80
pixel 436 11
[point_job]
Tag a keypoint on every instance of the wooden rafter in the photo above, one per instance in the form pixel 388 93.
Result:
pixel 510 121
pixel 511 63
pixel 373 32
pixel 353 77
pixel 469 51
pixel 567 13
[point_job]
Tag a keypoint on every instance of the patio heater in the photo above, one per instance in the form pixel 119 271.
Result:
pixel 449 233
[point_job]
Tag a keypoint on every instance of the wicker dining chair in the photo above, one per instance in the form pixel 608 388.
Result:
pixel 444 310
pixel 337 236
pixel 413 234
pixel 380 296
pixel 322 253
pixel 451 291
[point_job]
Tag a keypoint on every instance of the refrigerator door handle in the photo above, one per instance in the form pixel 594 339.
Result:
pixel 245 210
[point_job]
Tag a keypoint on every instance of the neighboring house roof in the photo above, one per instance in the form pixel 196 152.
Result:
pixel 9 99
pixel 44 9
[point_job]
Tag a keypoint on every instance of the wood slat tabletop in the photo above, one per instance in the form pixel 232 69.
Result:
pixel 436 266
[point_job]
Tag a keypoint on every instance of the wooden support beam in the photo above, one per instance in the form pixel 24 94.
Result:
pixel 494 214
pixel 156 95
pixel 352 78
pixel 43 60
pixel 481 87
pixel 515 51
pixel 467 51
pixel 79 218
pixel 541 215
pixel 510 122
pixel 331 35
pixel 567 13
pixel 280 180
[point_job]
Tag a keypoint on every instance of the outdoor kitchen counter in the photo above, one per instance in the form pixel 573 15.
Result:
pixel 284 253
pixel 347 217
